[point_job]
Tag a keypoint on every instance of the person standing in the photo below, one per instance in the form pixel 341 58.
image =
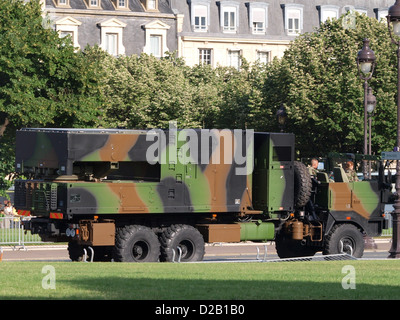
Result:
pixel 9 211
pixel 350 172
pixel 314 168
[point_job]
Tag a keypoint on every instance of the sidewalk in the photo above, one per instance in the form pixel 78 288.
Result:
pixel 33 247
pixel 378 244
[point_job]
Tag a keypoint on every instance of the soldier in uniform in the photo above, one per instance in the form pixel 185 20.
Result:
pixel 313 168
pixel 350 172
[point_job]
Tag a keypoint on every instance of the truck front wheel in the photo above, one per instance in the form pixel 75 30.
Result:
pixel 134 243
pixel 185 241
pixel 345 238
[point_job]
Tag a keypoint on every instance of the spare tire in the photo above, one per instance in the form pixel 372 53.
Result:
pixel 302 184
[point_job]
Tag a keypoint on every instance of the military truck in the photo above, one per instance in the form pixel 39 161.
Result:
pixel 151 195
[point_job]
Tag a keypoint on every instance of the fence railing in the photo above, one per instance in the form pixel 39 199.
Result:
pixel 12 232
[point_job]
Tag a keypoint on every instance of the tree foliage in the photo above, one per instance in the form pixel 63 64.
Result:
pixel 43 80
pixel 146 92
pixel 318 81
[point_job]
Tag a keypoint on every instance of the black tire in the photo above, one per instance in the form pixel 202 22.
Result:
pixel 302 185
pixel 341 237
pixel 286 247
pixel 136 243
pixel 75 251
pixel 188 238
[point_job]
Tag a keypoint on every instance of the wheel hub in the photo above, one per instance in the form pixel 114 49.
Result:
pixel 140 250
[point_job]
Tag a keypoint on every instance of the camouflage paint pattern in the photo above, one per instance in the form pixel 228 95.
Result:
pixel 360 197
pixel 113 175
pixel 273 176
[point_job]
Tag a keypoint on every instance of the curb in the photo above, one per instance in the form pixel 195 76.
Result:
pixel 27 248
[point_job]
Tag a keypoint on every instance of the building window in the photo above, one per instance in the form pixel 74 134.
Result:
pixel 93 4
pixel 263 56
pixel 111 44
pixel 60 3
pixel 234 58
pixel 200 18
pixel 381 14
pixel 64 34
pixel 230 19
pixel 155 45
pixel 150 5
pixel 63 3
pixel 199 14
pixel 293 22
pixel 293 18
pixel 68 26
pixel 156 38
pixel 258 17
pixel 205 56
pixel 120 4
pixel 258 27
pixel 111 36
pixel 258 20
pixel 328 12
pixel 229 15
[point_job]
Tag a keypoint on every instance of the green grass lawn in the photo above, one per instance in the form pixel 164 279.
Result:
pixel 202 281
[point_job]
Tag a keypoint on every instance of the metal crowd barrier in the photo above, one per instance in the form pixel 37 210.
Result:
pixel 12 232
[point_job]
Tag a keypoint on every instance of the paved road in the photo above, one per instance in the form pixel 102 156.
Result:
pixel 215 252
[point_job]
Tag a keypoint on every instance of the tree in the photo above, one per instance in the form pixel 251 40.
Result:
pixel 241 94
pixel 206 83
pixel 43 80
pixel 146 92
pixel 317 79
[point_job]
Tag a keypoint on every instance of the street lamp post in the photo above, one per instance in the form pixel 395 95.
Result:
pixel 371 102
pixel 393 18
pixel 366 65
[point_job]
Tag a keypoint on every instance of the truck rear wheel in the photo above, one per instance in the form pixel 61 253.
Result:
pixel 345 238
pixel 187 238
pixel 136 243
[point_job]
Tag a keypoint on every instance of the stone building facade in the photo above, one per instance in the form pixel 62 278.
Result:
pixel 121 27
pixel 219 32
pixel 201 31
